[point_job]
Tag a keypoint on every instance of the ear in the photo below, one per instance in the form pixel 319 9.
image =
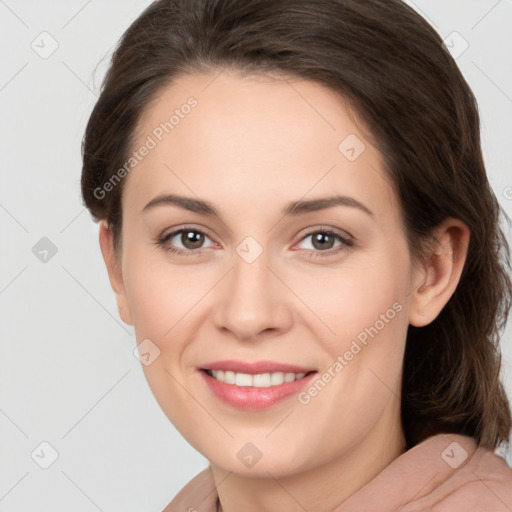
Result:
pixel 435 282
pixel 114 271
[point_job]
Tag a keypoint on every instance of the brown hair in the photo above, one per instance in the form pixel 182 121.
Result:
pixel 392 68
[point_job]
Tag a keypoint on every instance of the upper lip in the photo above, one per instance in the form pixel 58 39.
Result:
pixel 256 367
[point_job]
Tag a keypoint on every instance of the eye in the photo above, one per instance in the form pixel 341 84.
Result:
pixel 324 240
pixel 191 241
pixel 188 241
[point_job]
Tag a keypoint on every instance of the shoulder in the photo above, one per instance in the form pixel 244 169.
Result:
pixel 482 483
pixel 198 494
pixel 489 481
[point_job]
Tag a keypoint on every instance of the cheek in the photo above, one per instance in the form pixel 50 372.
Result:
pixel 367 292
pixel 362 377
pixel 364 307
pixel 168 303
pixel 165 301
pixel 159 292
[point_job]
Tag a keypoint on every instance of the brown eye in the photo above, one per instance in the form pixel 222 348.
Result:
pixel 185 241
pixel 322 240
pixel 192 239
pixel 325 242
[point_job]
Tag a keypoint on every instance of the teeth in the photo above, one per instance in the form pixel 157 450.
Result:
pixel 243 379
pixel 260 380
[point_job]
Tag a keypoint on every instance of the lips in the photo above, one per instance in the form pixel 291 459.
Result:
pixel 251 389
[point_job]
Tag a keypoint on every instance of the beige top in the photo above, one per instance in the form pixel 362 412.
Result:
pixel 446 472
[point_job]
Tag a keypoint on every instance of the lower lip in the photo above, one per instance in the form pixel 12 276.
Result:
pixel 253 398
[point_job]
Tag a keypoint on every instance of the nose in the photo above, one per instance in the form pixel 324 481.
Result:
pixel 253 302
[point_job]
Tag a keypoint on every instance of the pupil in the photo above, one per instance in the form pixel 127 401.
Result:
pixel 192 239
pixel 322 237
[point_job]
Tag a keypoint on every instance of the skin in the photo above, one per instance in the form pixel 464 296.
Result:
pixel 252 145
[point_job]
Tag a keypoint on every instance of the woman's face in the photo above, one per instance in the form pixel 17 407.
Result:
pixel 258 279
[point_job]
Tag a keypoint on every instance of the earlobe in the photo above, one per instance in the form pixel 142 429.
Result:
pixel 114 271
pixel 436 282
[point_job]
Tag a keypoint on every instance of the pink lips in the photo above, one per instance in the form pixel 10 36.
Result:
pixel 250 397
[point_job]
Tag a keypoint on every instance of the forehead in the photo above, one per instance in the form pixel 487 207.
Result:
pixel 232 139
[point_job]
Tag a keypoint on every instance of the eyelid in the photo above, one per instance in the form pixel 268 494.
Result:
pixel 321 228
pixel 346 240
pixel 186 227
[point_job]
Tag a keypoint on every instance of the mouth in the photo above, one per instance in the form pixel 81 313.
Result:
pixel 259 380
pixel 254 386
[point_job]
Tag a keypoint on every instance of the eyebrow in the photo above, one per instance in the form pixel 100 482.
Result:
pixel 294 208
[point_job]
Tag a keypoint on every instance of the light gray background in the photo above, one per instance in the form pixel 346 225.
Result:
pixel 68 374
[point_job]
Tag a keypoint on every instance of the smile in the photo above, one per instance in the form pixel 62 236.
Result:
pixel 260 380
pixel 262 388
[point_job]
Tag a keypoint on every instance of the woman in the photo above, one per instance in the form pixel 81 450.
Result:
pixel 296 219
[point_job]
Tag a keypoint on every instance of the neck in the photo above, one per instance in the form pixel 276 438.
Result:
pixel 317 489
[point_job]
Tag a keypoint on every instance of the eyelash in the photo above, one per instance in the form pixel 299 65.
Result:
pixel 345 243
